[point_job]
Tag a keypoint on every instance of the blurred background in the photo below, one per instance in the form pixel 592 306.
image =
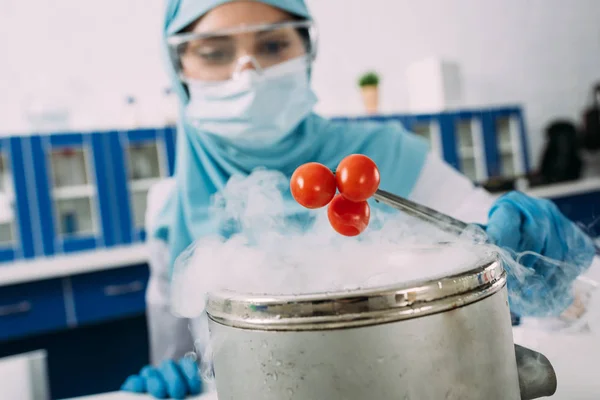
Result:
pixel 501 89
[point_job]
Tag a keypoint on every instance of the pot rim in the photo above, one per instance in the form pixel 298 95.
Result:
pixel 363 307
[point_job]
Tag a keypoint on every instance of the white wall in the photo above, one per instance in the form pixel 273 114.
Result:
pixel 544 54
pixel 88 54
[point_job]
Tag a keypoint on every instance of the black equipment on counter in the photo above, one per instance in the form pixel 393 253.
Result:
pixel 561 161
pixel 590 138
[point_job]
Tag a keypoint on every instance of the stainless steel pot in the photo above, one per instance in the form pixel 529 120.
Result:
pixel 446 338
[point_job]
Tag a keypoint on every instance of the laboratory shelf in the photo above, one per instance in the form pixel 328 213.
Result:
pixel 430 128
pixel 16 189
pixel 141 158
pixel 481 143
pixel 468 137
pixel 72 191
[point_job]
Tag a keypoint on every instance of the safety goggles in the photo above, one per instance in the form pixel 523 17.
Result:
pixel 221 55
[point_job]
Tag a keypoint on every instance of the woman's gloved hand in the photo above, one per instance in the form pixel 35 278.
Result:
pixel 171 379
pixel 524 224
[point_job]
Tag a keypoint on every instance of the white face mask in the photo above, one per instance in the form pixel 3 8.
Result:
pixel 253 110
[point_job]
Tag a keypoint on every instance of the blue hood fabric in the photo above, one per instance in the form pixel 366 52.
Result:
pixel 204 164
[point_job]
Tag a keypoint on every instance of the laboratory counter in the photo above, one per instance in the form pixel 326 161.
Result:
pixel 72 264
pixel 574 357
pixel 132 396
pixel 560 190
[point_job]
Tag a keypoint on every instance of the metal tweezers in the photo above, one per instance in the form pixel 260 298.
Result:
pixel 442 221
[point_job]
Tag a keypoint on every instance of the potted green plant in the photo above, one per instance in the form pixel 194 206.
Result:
pixel 369 87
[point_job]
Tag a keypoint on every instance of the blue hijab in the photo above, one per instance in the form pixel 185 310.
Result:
pixel 203 165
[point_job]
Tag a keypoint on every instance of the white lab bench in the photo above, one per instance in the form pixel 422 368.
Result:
pixel 559 190
pixel 131 396
pixel 61 266
pixel 574 357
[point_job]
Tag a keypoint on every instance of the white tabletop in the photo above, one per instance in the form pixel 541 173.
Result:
pixel 574 357
pixel 557 190
pixel 132 396
pixel 72 264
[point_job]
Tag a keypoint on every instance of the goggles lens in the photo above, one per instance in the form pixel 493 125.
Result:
pixel 218 56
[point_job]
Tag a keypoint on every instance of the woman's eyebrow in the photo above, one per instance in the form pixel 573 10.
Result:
pixel 220 37
pixel 224 38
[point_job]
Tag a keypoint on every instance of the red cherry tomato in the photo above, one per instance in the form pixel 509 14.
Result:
pixel 357 177
pixel 347 217
pixel 313 185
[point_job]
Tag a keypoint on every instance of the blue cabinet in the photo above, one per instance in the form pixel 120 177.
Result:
pixel 54 304
pixel 481 143
pixel 505 142
pixel 31 308
pixel 109 294
pixel 72 191
pixel 140 159
pixel 16 235
pixel 584 208
pixel 466 132
pixel 81 191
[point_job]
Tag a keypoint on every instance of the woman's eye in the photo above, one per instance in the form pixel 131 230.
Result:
pixel 273 47
pixel 214 55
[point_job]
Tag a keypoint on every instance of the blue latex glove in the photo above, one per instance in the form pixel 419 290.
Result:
pixel 520 223
pixel 171 379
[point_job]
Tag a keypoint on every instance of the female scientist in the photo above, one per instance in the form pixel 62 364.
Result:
pixel 242 72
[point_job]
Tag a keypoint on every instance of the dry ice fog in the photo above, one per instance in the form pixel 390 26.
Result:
pixel 264 248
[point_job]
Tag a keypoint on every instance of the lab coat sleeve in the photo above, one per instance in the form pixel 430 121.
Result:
pixel 170 336
pixel 444 189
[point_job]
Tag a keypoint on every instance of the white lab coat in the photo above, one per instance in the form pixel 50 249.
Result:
pixel 439 186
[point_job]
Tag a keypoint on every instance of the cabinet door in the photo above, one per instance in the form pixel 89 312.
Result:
pixel 30 308
pixel 582 208
pixel 510 143
pixel 141 159
pixel 469 144
pixel 490 143
pixel 110 294
pixel 66 180
pixel 505 142
pixel 16 235
pixel 430 128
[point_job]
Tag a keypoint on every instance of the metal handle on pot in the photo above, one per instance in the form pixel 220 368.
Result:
pixel 537 377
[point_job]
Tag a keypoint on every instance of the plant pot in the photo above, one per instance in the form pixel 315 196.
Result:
pixel 370 95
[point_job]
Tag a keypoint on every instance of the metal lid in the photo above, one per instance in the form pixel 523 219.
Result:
pixel 358 307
